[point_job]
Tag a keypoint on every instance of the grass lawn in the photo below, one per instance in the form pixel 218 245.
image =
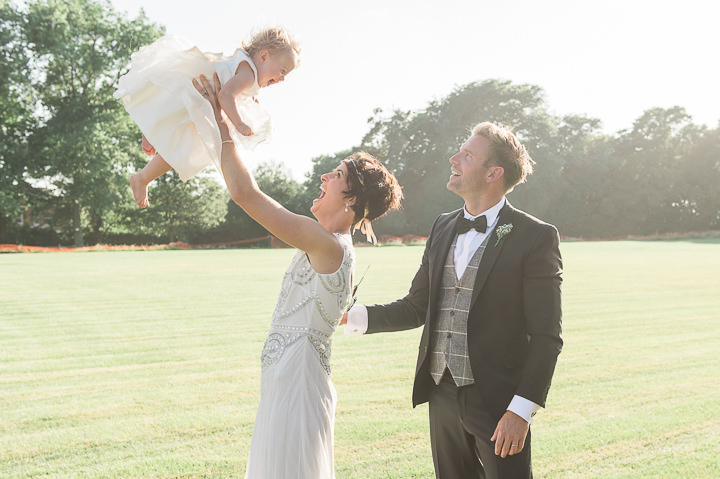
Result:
pixel 146 364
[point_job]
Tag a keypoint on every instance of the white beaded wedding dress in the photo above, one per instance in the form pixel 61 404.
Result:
pixel 293 434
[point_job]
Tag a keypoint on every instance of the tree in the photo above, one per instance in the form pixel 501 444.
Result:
pixel 581 205
pixel 652 154
pixel 83 147
pixel 274 180
pixel 16 119
pixel 697 196
pixel 660 176
pixel 177 210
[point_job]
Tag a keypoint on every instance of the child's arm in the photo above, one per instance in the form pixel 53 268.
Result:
pixel 242 81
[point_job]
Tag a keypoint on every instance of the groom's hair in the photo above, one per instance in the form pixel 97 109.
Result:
pixel 507 152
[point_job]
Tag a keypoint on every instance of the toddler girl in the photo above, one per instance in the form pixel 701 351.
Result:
pixel 177 123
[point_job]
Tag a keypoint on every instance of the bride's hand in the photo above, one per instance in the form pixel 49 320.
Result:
pixel 210 94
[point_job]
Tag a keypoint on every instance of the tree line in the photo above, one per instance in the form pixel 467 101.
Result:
pixel 67 148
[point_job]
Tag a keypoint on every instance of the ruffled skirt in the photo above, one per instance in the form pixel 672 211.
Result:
pixel 159 95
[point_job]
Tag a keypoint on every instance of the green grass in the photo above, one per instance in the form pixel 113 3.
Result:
pixel 146 364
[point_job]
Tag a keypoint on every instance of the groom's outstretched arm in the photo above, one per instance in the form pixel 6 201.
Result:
pixel 411 311
pixel 405 313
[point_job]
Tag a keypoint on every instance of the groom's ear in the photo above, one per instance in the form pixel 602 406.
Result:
pixel 495 173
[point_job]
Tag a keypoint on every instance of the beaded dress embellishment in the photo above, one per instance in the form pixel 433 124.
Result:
pixel 309 308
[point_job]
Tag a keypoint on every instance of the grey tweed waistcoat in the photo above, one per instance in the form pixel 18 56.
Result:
pixel 448 342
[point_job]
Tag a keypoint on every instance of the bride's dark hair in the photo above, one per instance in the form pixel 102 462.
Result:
pixel 375 189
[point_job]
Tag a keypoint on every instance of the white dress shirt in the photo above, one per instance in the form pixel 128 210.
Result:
pixel 468 243
pixel 465 247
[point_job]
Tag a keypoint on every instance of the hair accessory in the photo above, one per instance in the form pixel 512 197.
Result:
pixel 361 180
pixel 365 227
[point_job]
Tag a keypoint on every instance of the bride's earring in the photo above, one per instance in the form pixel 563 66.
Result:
pixel 346 205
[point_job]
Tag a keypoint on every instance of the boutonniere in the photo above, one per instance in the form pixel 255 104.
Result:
pixel 502 231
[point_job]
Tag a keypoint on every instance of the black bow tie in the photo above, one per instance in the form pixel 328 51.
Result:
pixel 464 225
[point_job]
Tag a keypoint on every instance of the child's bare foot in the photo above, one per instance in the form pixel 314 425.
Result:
pixel 140 191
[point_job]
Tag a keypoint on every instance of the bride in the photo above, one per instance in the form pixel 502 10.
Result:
pixel 293 434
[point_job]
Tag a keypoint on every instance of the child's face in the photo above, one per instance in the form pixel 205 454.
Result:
pixel 274 67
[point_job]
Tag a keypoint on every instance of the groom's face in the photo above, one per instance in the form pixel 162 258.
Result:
pixel 468 173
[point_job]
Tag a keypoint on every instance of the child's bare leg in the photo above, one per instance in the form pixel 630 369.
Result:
pixel 139 182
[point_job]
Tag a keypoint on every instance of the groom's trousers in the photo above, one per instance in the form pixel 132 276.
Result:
pixel 460 432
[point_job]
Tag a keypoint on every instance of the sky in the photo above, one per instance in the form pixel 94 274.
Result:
pixel 609 59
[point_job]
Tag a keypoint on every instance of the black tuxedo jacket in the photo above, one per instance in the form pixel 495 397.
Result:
pixel 514 324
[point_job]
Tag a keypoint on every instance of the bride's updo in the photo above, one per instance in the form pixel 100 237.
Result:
pixel 375 189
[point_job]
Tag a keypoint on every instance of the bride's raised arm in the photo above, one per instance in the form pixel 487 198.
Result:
pixel 322 247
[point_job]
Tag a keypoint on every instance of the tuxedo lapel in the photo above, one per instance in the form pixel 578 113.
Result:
pixel 438 254
pixel 491 253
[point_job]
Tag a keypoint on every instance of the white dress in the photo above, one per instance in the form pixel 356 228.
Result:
pixel 293 434
pixel 159 95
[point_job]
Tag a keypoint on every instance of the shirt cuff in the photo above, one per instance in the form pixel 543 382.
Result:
pixel 524 408
pixel 357 320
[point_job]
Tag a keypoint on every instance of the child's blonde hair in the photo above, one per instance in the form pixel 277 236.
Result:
pixel 272 39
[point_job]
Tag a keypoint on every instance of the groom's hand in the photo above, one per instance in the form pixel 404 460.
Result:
pixel 510 434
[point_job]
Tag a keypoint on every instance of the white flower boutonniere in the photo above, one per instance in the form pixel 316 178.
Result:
pixel 502 231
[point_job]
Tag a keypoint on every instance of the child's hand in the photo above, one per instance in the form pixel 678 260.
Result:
pixel 245 130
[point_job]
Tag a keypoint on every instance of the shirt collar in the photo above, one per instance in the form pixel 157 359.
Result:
pixel 491 214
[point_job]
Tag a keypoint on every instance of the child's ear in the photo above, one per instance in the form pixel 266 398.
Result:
pixel 264 55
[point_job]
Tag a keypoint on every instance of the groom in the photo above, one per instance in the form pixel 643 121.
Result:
pixel 488 296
